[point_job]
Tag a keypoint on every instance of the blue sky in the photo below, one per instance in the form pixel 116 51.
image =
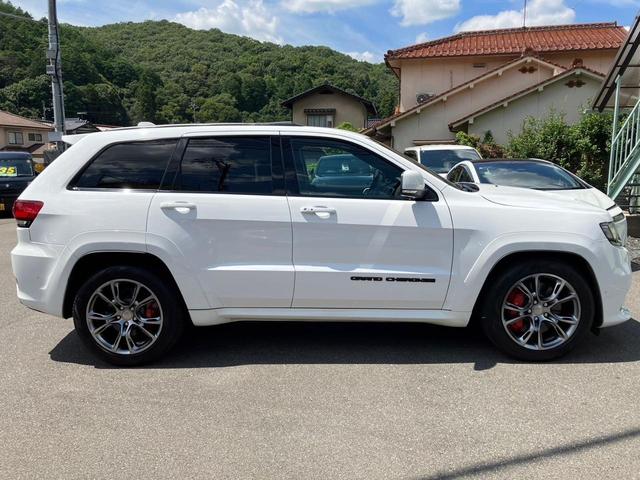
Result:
pixel 364 29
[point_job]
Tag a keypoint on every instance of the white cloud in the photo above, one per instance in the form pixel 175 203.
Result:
pixel 423 12
pixel 422 37
pixel 313 6
pixel 365 56
pixel 539 12
pixel 243 17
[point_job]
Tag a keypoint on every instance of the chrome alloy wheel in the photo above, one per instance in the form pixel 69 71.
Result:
pixel 124 317
pixel 541 311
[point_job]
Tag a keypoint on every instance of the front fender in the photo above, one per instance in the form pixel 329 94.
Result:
pixel 475 260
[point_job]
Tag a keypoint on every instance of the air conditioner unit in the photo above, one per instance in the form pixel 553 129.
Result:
pixel 423 97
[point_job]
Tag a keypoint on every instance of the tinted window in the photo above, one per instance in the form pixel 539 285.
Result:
pixel 441 161
pixel 136 165
pixel 227 165
pixel 454 175
pixel 465 176
pixel 330 168
pixel 520 173
pixel 411 154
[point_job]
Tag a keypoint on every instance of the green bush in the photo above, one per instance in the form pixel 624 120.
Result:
pixel 582 148
pixel 487 146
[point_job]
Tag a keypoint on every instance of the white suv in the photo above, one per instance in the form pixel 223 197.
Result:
pixel 137 232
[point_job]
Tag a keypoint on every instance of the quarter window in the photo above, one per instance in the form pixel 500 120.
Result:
pixel 226 165
pixel 465 176
pixel 330 168
pixel 135 165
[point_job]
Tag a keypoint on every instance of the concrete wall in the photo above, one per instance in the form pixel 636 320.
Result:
pixel 569 101
pixel 441 74
pixel 347 108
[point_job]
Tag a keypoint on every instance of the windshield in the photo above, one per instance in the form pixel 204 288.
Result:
pixel 520 173
pixel 441 161
pixel 18 167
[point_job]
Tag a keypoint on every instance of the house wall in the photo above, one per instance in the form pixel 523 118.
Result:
pixel 441 74
pixel 557 97
pixel 347 108
pixel 431 123
pixel 4 137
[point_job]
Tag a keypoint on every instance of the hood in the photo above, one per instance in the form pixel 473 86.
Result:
pixel 592 196
pixel 528 198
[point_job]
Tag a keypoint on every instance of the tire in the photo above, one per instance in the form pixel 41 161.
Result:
pixel 512 312
pixel 154 318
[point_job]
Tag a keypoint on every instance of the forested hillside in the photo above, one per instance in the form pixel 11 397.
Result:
pixel 167 73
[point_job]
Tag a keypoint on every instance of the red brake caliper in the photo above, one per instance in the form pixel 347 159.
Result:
pixel 151 310
pixel 518 299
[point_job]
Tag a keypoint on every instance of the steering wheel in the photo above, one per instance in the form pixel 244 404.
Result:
pixel 380 187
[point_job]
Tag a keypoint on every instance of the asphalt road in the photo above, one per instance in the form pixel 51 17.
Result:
pixel 319 401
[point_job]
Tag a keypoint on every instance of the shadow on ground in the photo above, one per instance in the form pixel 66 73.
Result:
pixel 250 343
pixel 525 459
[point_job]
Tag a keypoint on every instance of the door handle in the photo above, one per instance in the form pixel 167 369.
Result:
pixel 318 210
pixel 178 206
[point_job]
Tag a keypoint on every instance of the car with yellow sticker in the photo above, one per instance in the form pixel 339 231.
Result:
pixel 16 172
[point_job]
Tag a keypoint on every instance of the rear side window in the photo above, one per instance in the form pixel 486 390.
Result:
pixel 135 165
pixel 226 165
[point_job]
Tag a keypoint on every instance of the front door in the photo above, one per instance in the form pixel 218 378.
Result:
pixel 226 212
pixel 356 242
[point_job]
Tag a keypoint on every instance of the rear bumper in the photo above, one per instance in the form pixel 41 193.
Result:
pixel 33 267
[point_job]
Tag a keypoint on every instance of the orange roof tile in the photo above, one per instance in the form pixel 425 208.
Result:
pixel 588 36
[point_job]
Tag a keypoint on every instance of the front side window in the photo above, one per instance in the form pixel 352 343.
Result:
pixel 320 120
pixel 331 168
pixel 134 165
pixel 15 138
pixel 226 165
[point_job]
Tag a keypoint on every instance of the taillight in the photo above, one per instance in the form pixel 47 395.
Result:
pixel 26 211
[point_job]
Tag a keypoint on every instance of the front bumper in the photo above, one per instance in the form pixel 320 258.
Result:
pixel 614 278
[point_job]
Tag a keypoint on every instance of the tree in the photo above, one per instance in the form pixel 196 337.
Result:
pixel 219 109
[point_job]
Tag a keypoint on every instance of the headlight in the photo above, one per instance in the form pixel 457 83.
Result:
pixel 613 232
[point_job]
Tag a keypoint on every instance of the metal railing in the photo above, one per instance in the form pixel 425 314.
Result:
pixel 625 150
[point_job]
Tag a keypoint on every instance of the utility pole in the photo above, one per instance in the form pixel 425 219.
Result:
pixel 524 15
pixel 54 70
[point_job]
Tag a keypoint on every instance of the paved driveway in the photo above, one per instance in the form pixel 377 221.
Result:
pixel 314 401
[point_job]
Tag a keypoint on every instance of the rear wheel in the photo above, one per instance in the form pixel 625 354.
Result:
pixel 128 315
pixel 538 310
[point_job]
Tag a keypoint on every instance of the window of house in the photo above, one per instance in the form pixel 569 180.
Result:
pixel 227 165
pixel 35 137
pixel 15 138
pixel 133 165
pixel 320 120
pixel 330 168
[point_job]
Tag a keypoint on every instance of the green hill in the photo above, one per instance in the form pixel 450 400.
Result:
pixel 163 71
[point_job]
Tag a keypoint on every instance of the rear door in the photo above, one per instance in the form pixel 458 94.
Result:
pixel 225 211
pixel 356 242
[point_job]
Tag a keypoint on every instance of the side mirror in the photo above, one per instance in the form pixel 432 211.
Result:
pixel 413 185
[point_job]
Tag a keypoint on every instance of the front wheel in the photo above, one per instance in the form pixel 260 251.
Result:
pixel 538 310
pixel 127 315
